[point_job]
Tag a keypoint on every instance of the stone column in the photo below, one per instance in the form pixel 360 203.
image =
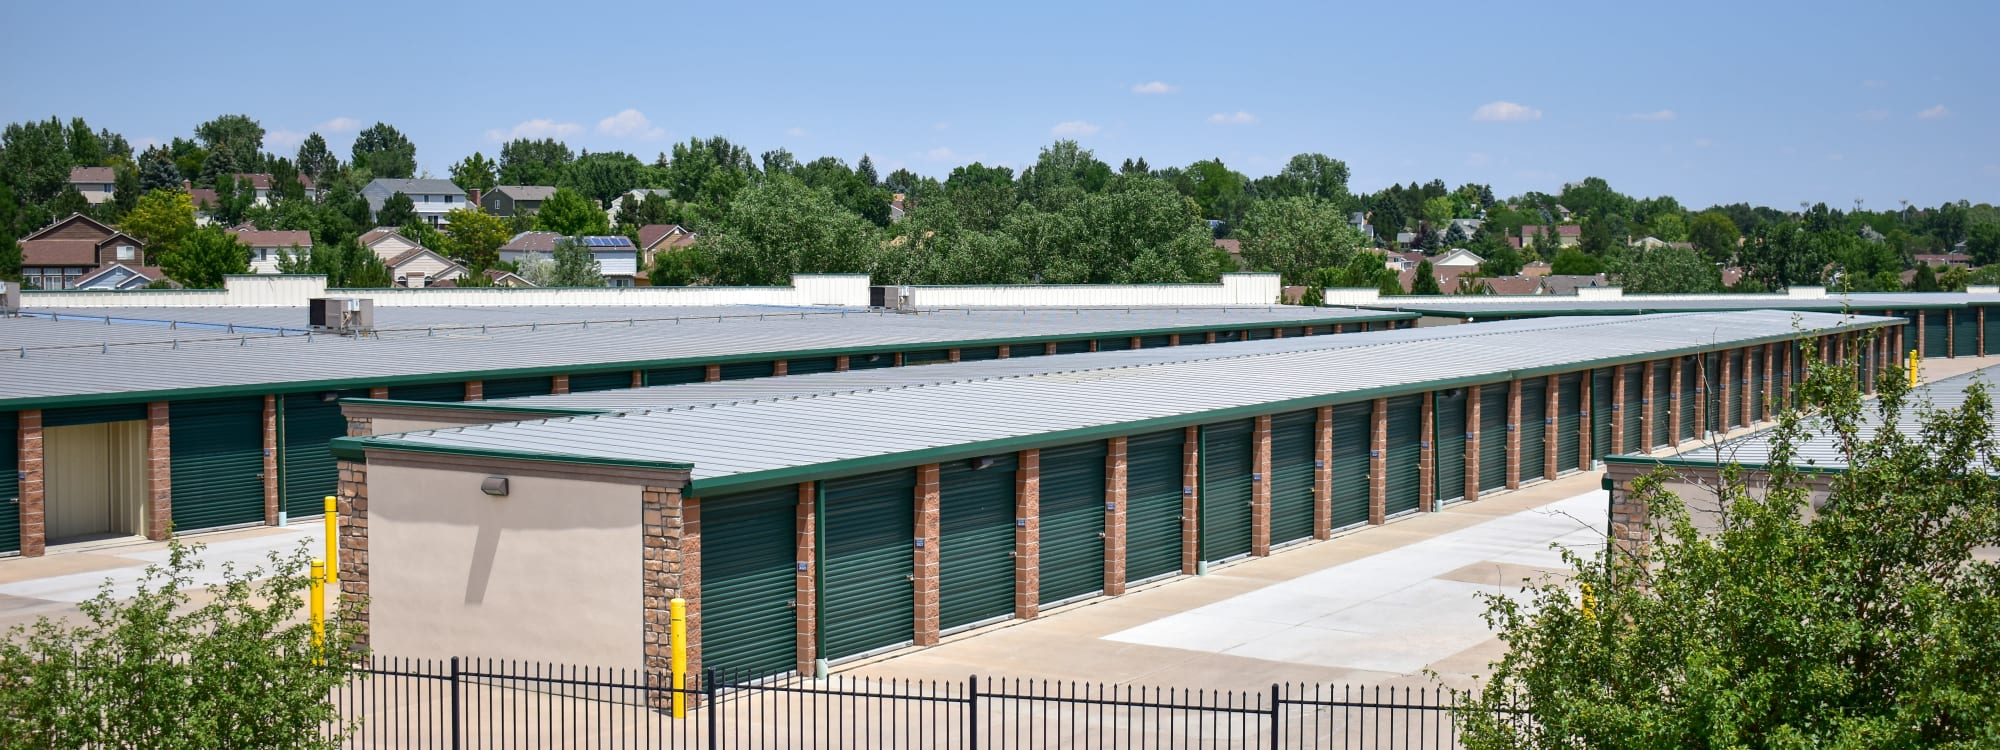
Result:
pixel 1323 473
pixel 159 472
pixel 711 373
pixel 1586 443
pixel 1114 516
pixel 1191 502
pixel 1028 535
pixel 351 501
pixel 805 582
pixel 1551 426
pixel 925 564
pixel 1674 380
pixel 1472 438
pixel 559 384
pixel 1647 392
pixel 840 363
pixel 273 499
pixel 28 441
pixel 1513 434
pixel 475 390
pixel 1620 410
pixel 671 539
pixel 1378 462
pixel 1427 456
pixel 1003 351
pixel 1260 487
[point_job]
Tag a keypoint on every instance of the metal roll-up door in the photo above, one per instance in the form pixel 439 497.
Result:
pixel 1154 479
pixel 1663 403
pixel 749 555
pixel 1292 332
pixel 1072 541
pixel 1493 436
pixel 1226 454
pixel 1072 347
pixel 1910 332
pixel 1712 390
pixel 608 380
pixel 453 391
pixel 676 375
pixel 1259 334
pixel 1353 426
pixel 1937 333
pixel 93 415
pixel 1294 443
pixel 1755 363
pixel 1450 430
pixel 1403 484
pixel 1155 341
pixel 1534 428
pixel 1569 422
pixel 218 462
pixel 1114 344
pixel 307 469
pixel 1992 330
pixel 976 540
pixel 810 365
pixel 1030 349
pixel 517 387
pixel 747 370
pixel 978 353
pixel 1634 406
pixel 872 361
pixel 1690 380
pixel 1220 336
pixel 10 484
pixel 926 357
pixel 866 548
pixel 1733 394
pixel 1965 332
pixel 1601 397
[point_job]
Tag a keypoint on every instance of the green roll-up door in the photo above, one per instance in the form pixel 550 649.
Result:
pixel 1493 436
pixel 1292 332
pixel 1634 406
pixel 1450 429
pixel 454 391
pixel 1073 347
pixel 810 365
pixel 1690 383
pixel 1534 428
pixel 1755 365
pixel 926 357
pixel 1663 403
pixel 1353 426
pixel 1154 475
pixel 1910 332
pixel 1712 390
pixel 1601 397
pixel 749 554
pixel 1569 422
pixel 218 462
pixel 867 543
pixel 676 375
pixel 1031 349
pixel 1294 440
pixel 1072 541
pixel 307 469
pixel 10 485
pixel 92 415
pixel 608 380
pixel 976 540
pixel 1220 336
pixel 978 353
pixel 1226 454
pixel 1937 333
pixel 747 370
pixel 1114 344
pixel 1965 332
pixel 873 361
pixel 1403 485
pixel 1259 334
pixel 1992 330
pixel 1155 341
pixel 1733 394
pixel 493 390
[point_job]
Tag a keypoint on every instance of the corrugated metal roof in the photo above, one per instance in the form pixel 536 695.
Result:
pixel 1474 306
pixel 743 444
pixel 99 363
pixel 1820 451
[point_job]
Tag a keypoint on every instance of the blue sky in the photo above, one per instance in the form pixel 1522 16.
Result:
pixel 1767 102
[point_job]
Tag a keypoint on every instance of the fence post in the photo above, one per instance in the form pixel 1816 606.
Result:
pixel 1277 717
pixel 708 690
pixel 455 734
pixel 972 713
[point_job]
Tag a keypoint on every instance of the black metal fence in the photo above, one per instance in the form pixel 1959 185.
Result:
pixel 473 703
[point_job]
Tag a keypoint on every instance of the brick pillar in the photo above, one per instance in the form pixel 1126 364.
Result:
pixel 671 551
pixel 28 441
pixel 1630 520
pixel 1173 339
pixel 1028 535
pixel 898 361
pixel 1003 351
pixel 1785 379
pixel 712 373
pixel 1049 348
pixel 559 384
pixel 1920 335
pixel 1551 409
pixel 1260 487
pixel 1191 502
pixel 1982 331
pixel 1701 390
pixel 1586 443
pixel 351 501
pixel 1950 333
pixel 1647 392
pixel 1093 345
pixel 1619 410
pixel 805 584
pixel 638 378
pixel 1114 516
pixel 1513 434
pixel 1770 380
pixel 1723 393
pixel 378 392
pixel 271 492
pixel 1323 473
pixel 951 355
pixel 1378 462
pixel 1674 402
pixel 1472 435
pixel 1427 456
pixel 1211 338
pixel 159 472
pixel 1746 392
pixel 840 363
pixel 926 556
pixel 475 390
pixel 1136 343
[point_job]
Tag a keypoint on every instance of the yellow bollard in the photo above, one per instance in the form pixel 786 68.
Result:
pixel 677 621
pixel 1913 368
pixel 318 603
pixel 332 542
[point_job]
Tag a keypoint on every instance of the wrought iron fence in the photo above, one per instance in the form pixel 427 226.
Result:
pixel 475 703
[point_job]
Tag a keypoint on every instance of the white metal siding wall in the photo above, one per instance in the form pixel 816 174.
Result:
pixel 1235 289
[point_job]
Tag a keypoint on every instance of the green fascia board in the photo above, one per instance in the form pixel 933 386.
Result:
pixel 335 384
pixel 1531 310
pixel 479 406
pixel 794 474
pixel 357 449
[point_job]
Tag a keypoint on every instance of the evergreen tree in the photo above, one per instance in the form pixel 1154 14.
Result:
pixel 1426 281
pixel 10 259
pixel 574 266
pixel 315 159
pixel 866 171
pixel 396 211
pixel 384 152
pixel 157 170
pixel 125 190
pixel 1926 279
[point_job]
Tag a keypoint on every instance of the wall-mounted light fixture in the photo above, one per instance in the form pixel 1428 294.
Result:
pixel 495 486
pixel 329 396
pixel 984 462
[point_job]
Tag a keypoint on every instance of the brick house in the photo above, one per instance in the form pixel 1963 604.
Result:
pixel 95 183
pixel 65 254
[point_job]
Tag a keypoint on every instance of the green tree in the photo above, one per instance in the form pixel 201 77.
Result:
pixel 686 266
pixel 398 209
pixel 35 160
pixel 384 152
pixel 173 666
pixel 1925 280
pixel 1597 239
pixel 1062 167
pixel 161 219
pixel 866 171
pixel 570 214
pixel 781 227
pixel 1983 244
pixel 315 159
pixel 1671 270
pixel 1218 191
pixel 234 198
pixel 1669 227
pixel 475 172
pixel 126 190
pixel 1294 236
pixel 982 195
pixel 10 259
pixel 1572 262
pixel 157 170
pixel 1861 619
pixel 574 266
pixel 602 176
pixel 201 259
pixel 1426 281
pixel 474 237
pixel 1715 235
pixel 533 162
pixel 237 134
pixel 1318 176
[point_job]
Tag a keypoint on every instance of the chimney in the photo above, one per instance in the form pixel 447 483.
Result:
pixel 474 194
pixel 187 186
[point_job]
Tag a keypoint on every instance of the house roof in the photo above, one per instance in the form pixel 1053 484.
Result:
pixel 39 249
pixel 372 236
pixel 263 180
pixel 651 234
pixel 1233 247
pixel 532 242
pixel 1569 283
pixel 92 174
pixel 1562 230
pixel 149 273
pixel 203 197
pixel 419 252
pixel 1514 286
pixel 419 186
pixel 272 237
pixel 57 224
pixel 1944 258
pixel 524 192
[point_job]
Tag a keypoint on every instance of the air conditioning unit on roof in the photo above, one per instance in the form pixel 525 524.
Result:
pixel 347 316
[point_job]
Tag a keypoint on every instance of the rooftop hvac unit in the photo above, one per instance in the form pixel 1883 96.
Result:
pixel 891 298
pixel 342 315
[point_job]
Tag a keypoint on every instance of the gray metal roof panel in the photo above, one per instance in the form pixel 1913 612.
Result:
pixel 1475 306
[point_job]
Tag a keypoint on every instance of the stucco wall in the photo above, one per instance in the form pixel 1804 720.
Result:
pixel 553 569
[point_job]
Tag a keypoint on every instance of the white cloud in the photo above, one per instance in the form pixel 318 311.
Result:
pixel 1240 118
pixel 540 127
pixel 1073 129
pixel 941 153
pixel 795 132
pixel 1505 112
pixel 1155 87
pixel 1703 143
pixel 1660 116
pixel 340 125
pixel 1934 113
pixel 630 123
pixel 1873 114
pixel 284 138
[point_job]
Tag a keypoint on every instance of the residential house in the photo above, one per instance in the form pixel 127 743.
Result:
pixel 1536 269
pixel 1506 286
pixel 1562 214
pixel 658 238
pixel 266 245
pixel 95 183
pixel 513 200
pixel 1466 227
pixel 432 198
pixel 617 258
pixel 410 264
pixel 896 209
pixel 1567 235
pixel 1957 260
pixel 499 278
pixel 70 252
pixel 1406 239
pixel 261 182
pixel 1359 221
pixel 1403 261
pixel 1235 250
pixel 637 194
pixel 1650 242
pixel 1458 258
pixel 1567 284
pixel 1868 233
